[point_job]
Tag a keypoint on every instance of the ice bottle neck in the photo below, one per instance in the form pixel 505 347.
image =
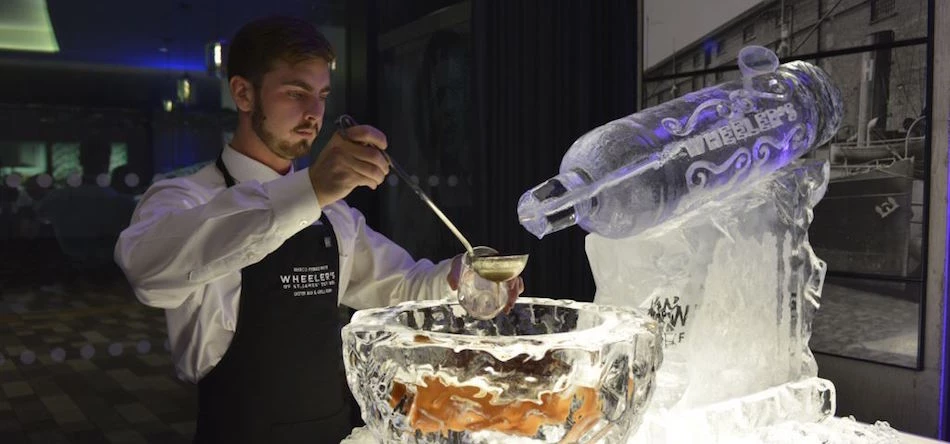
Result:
pixel 556 204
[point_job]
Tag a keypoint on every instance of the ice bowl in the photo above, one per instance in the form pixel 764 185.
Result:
pixel 547 371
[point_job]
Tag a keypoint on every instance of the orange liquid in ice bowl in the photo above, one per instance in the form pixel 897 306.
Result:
pixel 439 407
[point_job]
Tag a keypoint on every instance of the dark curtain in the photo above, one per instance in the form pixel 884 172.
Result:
pixel 545 73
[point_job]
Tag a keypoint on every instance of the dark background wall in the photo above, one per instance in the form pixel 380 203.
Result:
pixel 489 95
pixel 545 73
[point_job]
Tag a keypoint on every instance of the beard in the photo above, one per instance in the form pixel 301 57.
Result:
pixel 281 147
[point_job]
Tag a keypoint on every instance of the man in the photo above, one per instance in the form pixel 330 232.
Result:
pixel 250 258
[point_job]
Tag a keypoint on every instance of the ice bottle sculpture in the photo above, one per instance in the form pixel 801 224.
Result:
pixel 636 172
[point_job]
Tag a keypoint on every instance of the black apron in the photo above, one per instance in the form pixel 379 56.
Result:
pixel 280 379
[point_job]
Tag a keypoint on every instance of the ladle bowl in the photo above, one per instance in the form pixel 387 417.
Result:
pixel 499 268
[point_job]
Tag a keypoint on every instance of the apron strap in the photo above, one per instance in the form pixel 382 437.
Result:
pixel 228 178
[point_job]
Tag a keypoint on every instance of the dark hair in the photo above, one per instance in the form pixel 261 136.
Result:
pixel 258 44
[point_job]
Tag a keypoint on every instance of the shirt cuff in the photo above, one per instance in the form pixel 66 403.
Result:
pixel 294 202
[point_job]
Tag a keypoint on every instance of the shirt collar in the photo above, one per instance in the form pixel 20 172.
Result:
pixel 244 168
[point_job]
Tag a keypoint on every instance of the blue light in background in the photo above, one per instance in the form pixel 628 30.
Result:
pixel 161 63
pixel 175 67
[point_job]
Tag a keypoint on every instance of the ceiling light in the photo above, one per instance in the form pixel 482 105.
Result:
pixel 214 58
pixel 25 26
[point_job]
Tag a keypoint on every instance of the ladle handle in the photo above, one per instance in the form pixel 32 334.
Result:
pixel 345 121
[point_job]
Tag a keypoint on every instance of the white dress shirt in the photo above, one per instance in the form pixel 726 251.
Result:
pixel 190 237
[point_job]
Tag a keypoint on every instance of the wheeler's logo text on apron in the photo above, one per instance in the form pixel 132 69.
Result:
pixel 309 281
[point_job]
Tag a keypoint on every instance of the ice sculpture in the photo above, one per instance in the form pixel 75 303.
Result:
pixel 699 211
pixel 736 286
pixel 548 371
pixel 637 172
pixel 829 431
pixel 809 400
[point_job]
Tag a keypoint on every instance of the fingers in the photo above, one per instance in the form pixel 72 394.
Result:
pixel 341 168
pixel 369 155
pixel 346 163
pixel 371 174
pixel 515 288
pixel 367 165
pixel 367 135
pixel 454 272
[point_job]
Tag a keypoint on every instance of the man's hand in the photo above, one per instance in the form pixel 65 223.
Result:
pixel 514 286
pixel 346 163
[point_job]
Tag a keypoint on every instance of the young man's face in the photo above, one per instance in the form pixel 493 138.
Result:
pixel 289 106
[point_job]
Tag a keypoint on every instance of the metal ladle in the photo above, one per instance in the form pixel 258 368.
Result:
pixel 495 268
